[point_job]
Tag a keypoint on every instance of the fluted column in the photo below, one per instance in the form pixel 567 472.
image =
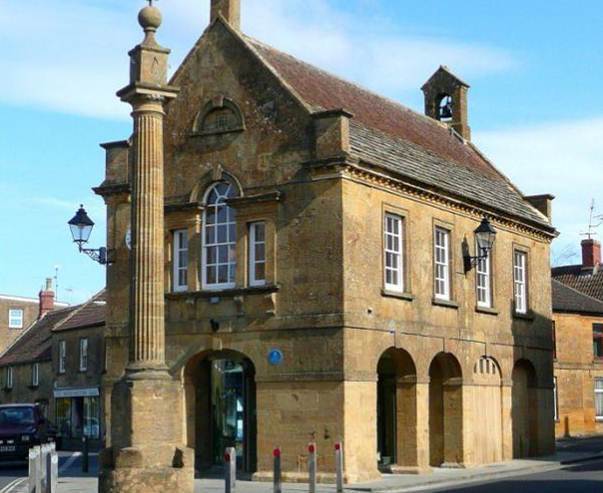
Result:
pixel 147 331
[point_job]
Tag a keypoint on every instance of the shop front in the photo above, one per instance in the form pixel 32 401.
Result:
pixel 78 415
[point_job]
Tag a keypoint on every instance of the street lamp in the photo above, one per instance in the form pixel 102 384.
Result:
pixel 485 235
pixel 81 228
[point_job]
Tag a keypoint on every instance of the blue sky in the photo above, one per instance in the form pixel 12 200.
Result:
pixel 535 69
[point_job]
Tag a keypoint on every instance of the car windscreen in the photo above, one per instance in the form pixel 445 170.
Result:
pixel 17 416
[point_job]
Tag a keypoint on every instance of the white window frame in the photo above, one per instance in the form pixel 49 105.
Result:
pixel 15 318
pixel 598 416
pixel 441 263
pixel 9 377
pixel 180 260
pixel 483 280
pixel 35 374
pixel 62 356
pixel 393 252
pixel 84 354
pixel 254 258
pixel 204 246
pixel 520 288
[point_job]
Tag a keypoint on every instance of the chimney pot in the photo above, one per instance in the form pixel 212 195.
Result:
pixel 591 254
pixel 230 10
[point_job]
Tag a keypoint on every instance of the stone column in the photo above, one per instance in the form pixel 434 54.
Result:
pixel 147 331
pixel 147 452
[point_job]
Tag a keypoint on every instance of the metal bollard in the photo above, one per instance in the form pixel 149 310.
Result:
pixel 277 481
pixel 52 484
pixel 38 469
pixel 44 451
pixel 312 466
pixel 31 480
pixel 339 467
pixel 230 469
pixel 85 458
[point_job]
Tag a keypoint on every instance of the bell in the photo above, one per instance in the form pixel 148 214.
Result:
pixel 446 110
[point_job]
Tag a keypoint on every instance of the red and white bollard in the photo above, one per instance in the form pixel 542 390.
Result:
pixel 277 481
pixel 230 469
pixel 339 467
pixel 312 467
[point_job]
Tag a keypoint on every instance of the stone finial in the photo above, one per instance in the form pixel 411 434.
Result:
pixel 150 19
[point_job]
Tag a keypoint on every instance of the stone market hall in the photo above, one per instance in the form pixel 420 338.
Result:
pixel 295 260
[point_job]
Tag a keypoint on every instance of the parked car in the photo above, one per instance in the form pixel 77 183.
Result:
pixel 21 427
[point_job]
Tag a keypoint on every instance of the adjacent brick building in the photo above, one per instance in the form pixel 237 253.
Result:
pixel 17 313
pixel 49 364
pixel 578 316
pixel 318 281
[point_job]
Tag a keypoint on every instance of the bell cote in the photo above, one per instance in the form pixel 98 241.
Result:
pixel 446 100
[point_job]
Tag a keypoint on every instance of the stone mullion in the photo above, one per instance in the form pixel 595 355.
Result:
pixel 147 331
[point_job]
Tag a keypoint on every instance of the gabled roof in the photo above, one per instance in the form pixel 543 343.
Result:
pixel 444 69
pixel 379 122
pixel 569 300
pixel 396 127
pixel 35 344
pixel 586 281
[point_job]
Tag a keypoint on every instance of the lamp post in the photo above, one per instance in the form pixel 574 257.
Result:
pixel 485 235
pixel 81 227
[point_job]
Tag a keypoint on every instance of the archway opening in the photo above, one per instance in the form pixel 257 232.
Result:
pixel 396 409
pixel 485 401
pixel 524 411
pixel 221 409
pixel 445 411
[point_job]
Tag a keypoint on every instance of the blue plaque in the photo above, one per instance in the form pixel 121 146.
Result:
pixel 275 357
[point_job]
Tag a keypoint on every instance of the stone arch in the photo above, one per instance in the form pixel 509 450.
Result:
pixel 445 411
pixel 220 397
pixel 485 397
pixel 524 410
pixel 396 409
pixel 216 174
pixel 218 116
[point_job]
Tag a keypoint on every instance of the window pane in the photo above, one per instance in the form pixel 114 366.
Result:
pixel 223 274
pixel 222 234
pixel 211 275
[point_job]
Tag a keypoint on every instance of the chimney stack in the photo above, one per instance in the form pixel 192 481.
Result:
pixel 46 299
pixel 230 10
pixel 591 254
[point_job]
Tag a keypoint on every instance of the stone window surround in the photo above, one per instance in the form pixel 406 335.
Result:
pixel 406 292
pixel 217 103
pixel 516 247
pixel 449 301
pixel 249 209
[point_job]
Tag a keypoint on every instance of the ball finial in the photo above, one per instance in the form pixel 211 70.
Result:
pixel 150 17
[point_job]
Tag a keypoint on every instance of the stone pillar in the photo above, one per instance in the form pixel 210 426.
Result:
pixel 147 332
pixel 147 452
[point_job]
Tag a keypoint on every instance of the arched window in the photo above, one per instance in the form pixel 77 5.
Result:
pixel 219 238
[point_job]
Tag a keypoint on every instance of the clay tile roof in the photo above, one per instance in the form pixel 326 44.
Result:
pixel 378 118
pixel 90 315
pixel 567 299
pixel 586 281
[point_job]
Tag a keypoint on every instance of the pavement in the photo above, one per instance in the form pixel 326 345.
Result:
pixel 571 456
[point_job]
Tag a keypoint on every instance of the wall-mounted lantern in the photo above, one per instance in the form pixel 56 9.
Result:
pixel 485 235
pixel 81 228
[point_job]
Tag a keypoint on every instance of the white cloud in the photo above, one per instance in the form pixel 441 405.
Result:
pixel 562 158
pixel 71 55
